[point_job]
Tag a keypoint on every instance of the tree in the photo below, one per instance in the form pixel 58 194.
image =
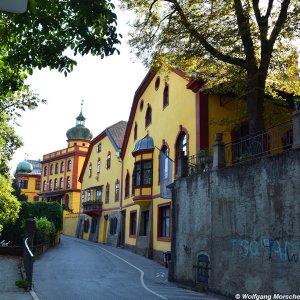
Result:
pixel 239 46
pixel 9 205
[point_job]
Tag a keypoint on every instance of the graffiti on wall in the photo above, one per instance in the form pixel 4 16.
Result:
pixel 271 249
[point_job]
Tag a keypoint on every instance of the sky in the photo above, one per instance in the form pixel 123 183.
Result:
pixel 107 87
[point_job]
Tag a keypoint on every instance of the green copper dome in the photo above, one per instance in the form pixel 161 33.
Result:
pixel 24 167
pixel 79 132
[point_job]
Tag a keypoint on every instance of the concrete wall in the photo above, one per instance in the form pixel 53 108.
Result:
pixel 246 218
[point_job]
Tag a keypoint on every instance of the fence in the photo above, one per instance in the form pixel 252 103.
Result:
pixel 28 263
pixel 200 162
pixel 272 141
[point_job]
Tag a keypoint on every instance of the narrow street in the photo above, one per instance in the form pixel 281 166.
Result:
pixel 78 269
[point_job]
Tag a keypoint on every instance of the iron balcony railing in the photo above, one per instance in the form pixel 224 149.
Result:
pixel 200 162
pixel 92 205
pixel 272 141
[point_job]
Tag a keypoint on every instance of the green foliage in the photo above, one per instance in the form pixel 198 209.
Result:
pixel 22 284
pixel 17 191
pixel 9 205
pixel 44 231
pixel 14 231
pixel 40 36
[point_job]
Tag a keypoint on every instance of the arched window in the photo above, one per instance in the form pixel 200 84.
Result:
pixel 51 169
pixel 62 167
pixel 68 182
pixel 90 169
pixel 117 190
pixel 99 147
pixel 127 185
pixel 50 185
pixel 69 165
pixel 55 184
pixel 164 162
pixel 61 183
pixel 108 160
pixel 107 193
pixel 56 168
pixel 135 131
pixel 148 117
pixel 181 151
pixel 44 186
pixel 45 171
pixel 98 165
pixel 166 96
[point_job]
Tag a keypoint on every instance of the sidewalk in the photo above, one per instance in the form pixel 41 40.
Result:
pixel 9 274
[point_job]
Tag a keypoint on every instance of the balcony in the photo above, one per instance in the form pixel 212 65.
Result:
pixel 92 208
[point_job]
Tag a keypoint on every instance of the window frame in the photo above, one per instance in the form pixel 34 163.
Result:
pixel 108 160
pixel 117 191
pixel 148 116
pixel 127 185
pixel 107 188
pixel 132 227
pixel 166 96
pixel 163 219
pixel 141 172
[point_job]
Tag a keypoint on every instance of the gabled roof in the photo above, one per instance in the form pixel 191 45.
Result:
pixel 115 133
pixel 138 94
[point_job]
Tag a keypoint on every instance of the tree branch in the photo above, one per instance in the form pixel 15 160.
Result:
pixel 245 32
pixel 203 41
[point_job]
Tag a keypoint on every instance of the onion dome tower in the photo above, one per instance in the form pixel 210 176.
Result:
pixel 79 134
pixel 24 167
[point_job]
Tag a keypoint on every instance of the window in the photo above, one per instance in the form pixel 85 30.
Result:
pixel 144 222
pixel 55 184
pixel 45 171
pixel 127 185
pixel 99 147
pixel 69 166
pixel 44 186
pixel 132 229
pixel 141 105
pixel 50 185
pixel 67 201
pixel 166 96
pixel 86 225
pixel 113 226
pixel 61 183
pixel 135 132
pixel 107 193
pixel 89 195
pixel 62 167
pixel 56 168
pixel 117 190
pixel 23 184
pixel 143 173
pixel 164 162
pixel 157 83
pixel 181 150
pixel 51 169
pixel 37 184
pixel 82 197
pixel 98 165
pixel 164 229
pixel 108 160
pixel 98 194
pixel 148 117
pixel 68 182
pixel 90 170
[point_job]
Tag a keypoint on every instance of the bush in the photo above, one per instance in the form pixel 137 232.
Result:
pixel 44 231
pixel 14 231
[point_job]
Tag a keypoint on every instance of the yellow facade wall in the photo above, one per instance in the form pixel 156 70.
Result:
pixel 106 176
pixel 31 192
pixel 165 126
pixel 70 224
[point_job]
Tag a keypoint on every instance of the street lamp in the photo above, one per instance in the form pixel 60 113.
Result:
pixel 14 6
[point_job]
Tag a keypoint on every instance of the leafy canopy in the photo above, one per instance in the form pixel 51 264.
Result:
pixel 243 47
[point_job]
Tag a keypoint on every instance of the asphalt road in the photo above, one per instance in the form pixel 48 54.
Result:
pixel 78 269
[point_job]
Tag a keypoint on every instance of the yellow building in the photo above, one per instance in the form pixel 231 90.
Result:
pixel 60 172
pixel 170 120
pixel 28 176
pixel 100 179
pixel 161 128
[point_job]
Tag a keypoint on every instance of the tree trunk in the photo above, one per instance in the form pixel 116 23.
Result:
pixel 256 81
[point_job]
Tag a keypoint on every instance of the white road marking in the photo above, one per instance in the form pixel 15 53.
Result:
pixel 141 271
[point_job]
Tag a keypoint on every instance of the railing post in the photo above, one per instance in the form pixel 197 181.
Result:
pixel 219 152
pixel 296 129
